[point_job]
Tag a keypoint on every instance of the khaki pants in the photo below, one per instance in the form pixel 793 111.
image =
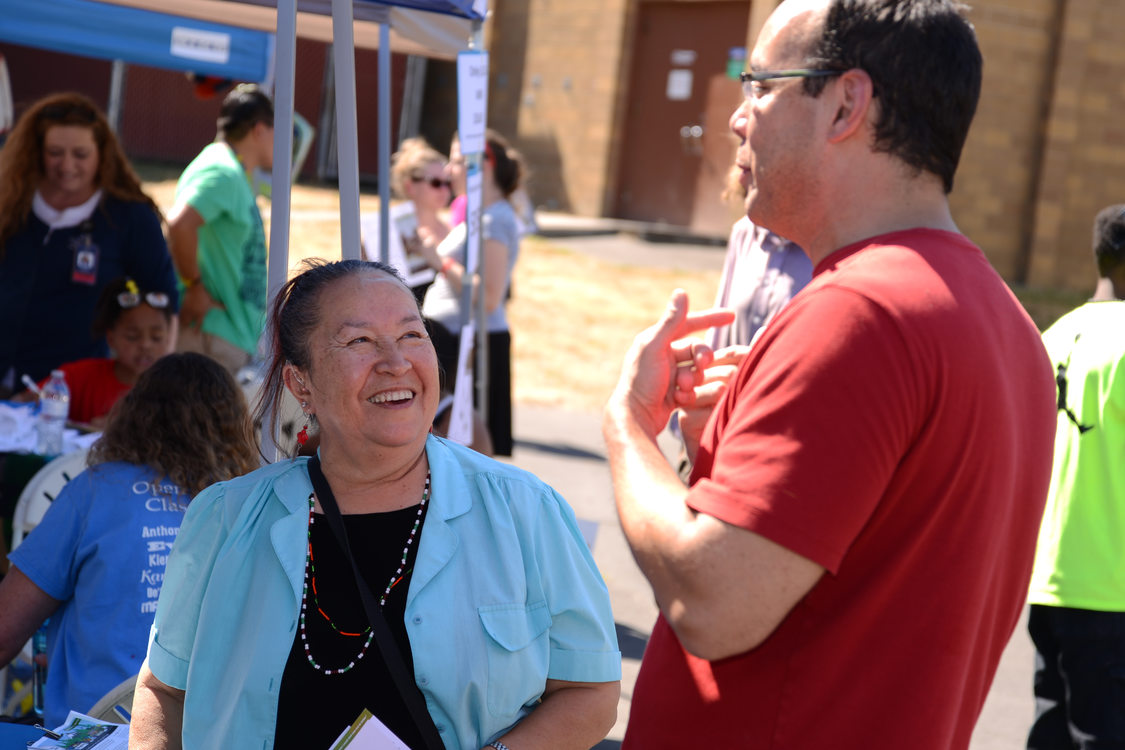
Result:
pixel 222 351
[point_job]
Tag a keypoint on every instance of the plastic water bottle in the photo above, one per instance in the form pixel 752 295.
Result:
pixel 54 407
pixel 39 668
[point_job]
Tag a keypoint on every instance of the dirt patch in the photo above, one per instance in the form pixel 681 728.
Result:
pixel 572 316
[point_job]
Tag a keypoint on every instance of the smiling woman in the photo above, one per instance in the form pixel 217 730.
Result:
pixel 449 594
pixel 73 217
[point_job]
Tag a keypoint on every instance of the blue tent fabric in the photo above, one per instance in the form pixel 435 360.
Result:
pixel 462 8
pixel 106 31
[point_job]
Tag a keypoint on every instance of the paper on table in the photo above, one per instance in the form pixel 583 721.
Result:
pixel 17 427
pixel 18 434
pixel 82 732
pixel 368 733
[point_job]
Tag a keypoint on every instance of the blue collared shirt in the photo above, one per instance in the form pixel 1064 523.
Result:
pixel 504 595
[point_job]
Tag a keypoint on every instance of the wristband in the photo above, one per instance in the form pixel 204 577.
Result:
pixel 189 283
pixel 498 745
pixel 445 266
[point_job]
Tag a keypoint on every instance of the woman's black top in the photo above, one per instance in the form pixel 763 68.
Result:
pixel 314 708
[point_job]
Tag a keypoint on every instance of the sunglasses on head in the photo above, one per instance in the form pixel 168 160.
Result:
pixel 69 111
pixel 128 300
pixel 437 183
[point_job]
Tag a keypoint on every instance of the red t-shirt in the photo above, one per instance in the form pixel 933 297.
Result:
pixel 893 424
pixel 94 389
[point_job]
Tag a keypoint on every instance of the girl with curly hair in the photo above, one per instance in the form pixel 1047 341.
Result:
pixel 95 564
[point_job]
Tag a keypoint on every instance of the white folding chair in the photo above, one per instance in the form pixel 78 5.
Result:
pixel 116 705
pixel 33 503
pixel 42 490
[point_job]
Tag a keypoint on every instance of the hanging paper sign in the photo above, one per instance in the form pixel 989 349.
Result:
pixel 679 85
pixel 461 414
pixel 682 57
pixel 473 187
pixel 472 100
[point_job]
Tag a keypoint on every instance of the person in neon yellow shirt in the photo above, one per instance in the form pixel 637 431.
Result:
pixel 1077 593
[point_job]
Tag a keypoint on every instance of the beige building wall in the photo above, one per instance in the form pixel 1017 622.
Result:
pixel 994 192
pixel 1084 149
pixel 1046 150
pixel 557 77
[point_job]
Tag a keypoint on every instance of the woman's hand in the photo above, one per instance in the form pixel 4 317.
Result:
pixel 572 715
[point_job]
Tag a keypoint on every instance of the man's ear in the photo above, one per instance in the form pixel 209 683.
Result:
pixel 854 94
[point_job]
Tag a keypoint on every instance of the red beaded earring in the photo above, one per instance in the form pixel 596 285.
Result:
pixel 303 435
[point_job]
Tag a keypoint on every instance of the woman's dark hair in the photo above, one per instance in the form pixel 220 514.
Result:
pixel 507 164
pixel 925 67
pixel 186 419
pixel 21 159
pixel 293 317
pixel 108 310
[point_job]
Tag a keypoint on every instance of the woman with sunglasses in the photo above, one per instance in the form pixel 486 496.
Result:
pixel 418 178
pixel 73 217
pixel 138 327
pixel 502 170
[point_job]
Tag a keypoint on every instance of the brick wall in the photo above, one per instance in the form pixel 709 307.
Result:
pixel 1084 149
pixel 557 72
pixel 1045 152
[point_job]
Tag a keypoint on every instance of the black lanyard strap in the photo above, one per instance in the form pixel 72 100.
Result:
pixel 411 695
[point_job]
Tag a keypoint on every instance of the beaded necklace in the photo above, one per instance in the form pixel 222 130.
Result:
pixel 310 583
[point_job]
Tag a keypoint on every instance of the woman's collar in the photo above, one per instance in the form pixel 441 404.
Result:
pixel 67 217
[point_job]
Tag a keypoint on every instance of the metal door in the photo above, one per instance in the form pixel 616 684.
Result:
pixel 677 148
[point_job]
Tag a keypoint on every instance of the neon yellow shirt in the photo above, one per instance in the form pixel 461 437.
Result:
pixel 1080 558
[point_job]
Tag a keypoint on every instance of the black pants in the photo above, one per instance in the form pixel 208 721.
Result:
pixel 1079 679
pixel 499 416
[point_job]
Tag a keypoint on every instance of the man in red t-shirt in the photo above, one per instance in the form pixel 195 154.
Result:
pixel 854 550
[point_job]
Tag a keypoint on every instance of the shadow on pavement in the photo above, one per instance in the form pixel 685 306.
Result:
pixel 561 450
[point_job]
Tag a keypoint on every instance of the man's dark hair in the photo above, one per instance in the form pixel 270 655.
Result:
pixel 925 65
pixel 244 107
pixel 1109 238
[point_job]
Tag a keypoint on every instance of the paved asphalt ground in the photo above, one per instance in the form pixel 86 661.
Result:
pixel 565 449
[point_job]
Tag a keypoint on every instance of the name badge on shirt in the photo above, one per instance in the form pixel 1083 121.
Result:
pixel 85 269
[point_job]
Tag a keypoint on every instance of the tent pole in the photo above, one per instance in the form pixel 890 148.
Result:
pixel 347 142
pixel 116 96
pixel 384 96
pixel 281 185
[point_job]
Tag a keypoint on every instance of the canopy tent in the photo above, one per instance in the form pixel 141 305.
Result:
pixel 159 40
pixel 432 28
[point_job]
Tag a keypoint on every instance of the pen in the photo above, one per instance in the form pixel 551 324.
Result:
pixel 43 729
pixel 31 384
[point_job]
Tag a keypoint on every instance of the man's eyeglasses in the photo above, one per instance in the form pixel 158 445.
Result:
pixel 751 80
pixel 436 183
pixel 128 300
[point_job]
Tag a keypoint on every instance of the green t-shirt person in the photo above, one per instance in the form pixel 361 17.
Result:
pixel 231 244
pixel 1080 558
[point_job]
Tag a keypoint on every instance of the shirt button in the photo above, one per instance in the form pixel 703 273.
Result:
pixel 423 681
pixel 417 619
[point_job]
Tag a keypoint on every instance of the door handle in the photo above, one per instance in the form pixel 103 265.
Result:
pixel 691 140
